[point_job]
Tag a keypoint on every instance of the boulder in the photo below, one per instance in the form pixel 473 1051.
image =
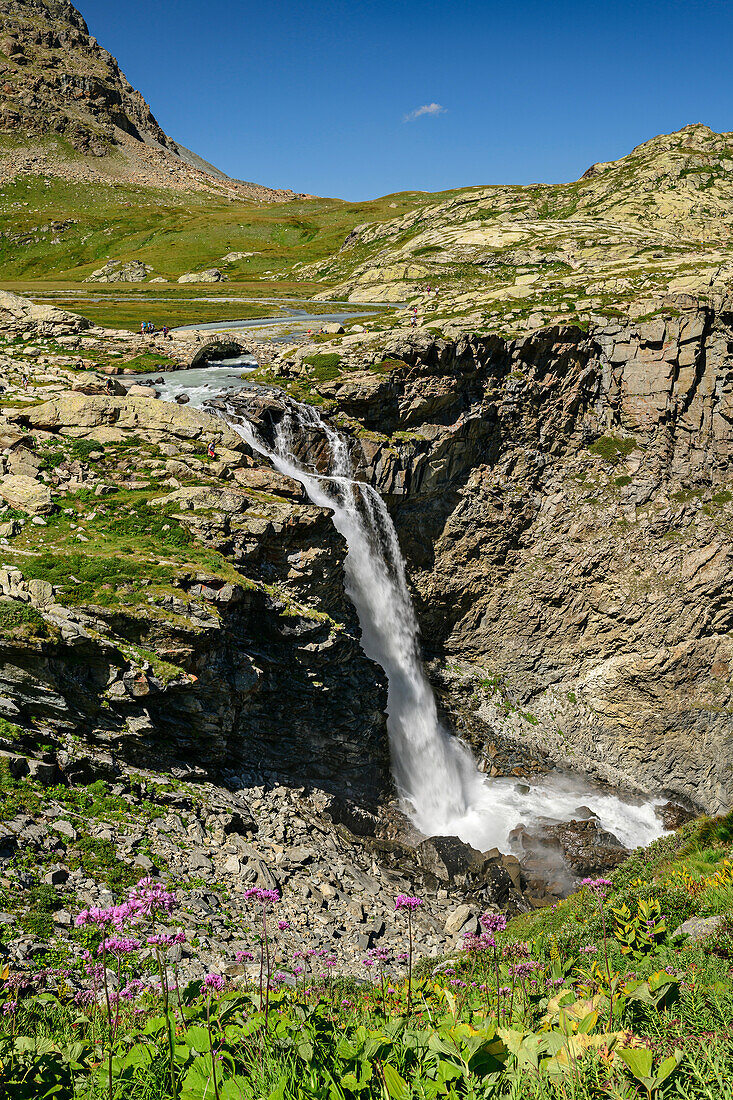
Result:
pixel 675 816
pixel 142 390
pixel 581 848
pixel 447 856
pixel 43 771
pixel 699 928
pixel 21 315
pixel 41 593
pixel 26 494
pixel 211 275
pixel 97 385
pixel 17 765
pixel 139 414
pixel 115 271
pixel 456 920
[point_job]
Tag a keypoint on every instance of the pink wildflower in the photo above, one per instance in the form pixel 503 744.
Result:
pixel 404 901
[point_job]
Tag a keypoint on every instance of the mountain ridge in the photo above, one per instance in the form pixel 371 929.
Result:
pixel 58 82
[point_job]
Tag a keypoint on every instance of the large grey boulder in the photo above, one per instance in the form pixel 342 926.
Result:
pixel 699 928
pixel 115 271
pixel 26 494
pixel 21 315
pixel 211 275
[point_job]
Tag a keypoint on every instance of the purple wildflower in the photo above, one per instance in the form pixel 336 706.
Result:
pixel 599 886
pixel 404 901
pixel 265 897
pixel 151 899
pixel 118 945
pixel 493 922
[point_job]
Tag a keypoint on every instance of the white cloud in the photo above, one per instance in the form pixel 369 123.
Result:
pixel 426 109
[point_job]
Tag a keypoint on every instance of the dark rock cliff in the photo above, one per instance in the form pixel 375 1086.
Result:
pixel 252 664
pixel 564 505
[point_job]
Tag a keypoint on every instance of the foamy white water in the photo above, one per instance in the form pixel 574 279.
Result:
pixel 441 789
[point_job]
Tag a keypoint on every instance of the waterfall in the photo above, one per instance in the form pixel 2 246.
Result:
pixel 430 769
pixel 440 787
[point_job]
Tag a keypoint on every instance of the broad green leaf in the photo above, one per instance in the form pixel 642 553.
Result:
pixel 198 1082
pixel 668 1066
pixel 278 1093
pixel 198 1039
pixel 638 1060
pixel 397 1087
pixel 305 1049
pixel 240 1088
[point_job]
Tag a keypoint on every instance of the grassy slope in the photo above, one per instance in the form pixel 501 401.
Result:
pixel 174 232
pixel 603 242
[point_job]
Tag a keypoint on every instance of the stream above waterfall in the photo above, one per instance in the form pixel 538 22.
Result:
pixel 200 384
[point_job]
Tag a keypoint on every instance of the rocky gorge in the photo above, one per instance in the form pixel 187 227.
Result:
pixel 501 463
pixel 563 508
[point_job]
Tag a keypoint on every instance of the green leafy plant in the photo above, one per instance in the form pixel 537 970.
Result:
pixel 641 932
pixel 639 1062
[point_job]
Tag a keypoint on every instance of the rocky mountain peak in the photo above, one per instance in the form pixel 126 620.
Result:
pixel 77 115
pixel 56 78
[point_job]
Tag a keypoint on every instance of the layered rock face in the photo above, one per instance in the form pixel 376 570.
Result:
pixel 251 664
pixel 563 505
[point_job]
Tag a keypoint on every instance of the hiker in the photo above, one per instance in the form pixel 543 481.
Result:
pixel 165 332
pixel 142 328
pixel 212 452
pixel 109 387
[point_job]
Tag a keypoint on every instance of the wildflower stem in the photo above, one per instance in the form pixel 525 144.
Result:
pixel 109 1018
pixel 211 1047
pixel 169 1028
pixel 409 961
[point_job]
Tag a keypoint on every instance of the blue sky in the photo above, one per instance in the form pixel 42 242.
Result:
pixel 319 96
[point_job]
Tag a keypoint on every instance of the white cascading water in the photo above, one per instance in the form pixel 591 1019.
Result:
pixel 442 790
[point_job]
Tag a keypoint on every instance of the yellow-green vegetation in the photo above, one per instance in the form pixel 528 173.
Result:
pixel 325 367
pixel 501 257
pixel 9 731
pixel 599 997
pixel 133 549
pixel 613 449
pixel 19 620
pixel 174 232
pixel 690 873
